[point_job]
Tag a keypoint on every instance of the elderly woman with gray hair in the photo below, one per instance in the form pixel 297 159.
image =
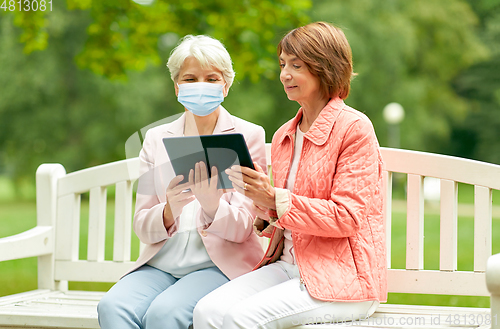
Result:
pixel 197 237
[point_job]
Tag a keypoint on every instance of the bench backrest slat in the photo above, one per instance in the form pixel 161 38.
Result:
pixel 482 226
pixel 123 222
pixel 415 223
pixel 97 224
pixel 68 227
pixel 448 226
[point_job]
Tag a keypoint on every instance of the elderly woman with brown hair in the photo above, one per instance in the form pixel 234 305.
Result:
pixel 326 260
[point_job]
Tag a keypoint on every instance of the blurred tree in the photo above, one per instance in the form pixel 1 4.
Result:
pixel 53 111
pixel 480 84
pixel 123 35
pixel 408 52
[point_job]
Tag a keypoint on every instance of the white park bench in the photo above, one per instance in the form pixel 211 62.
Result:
pixel 55 241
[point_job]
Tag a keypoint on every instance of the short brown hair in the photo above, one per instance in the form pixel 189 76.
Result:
pixel 326 52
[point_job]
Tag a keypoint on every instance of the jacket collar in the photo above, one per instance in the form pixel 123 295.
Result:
pixel 321 127
pixel 225 123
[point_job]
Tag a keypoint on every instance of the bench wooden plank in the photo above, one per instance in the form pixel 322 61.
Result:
pixel 68 221
pixel 415 223
pixel 448 226
pixel 123 222
pixel 414 316
pixel 482 226
pixel 34 242
pixel 51 309
pixel 103 175
pixel 61 305
pixel 442 166
pixel 97 224
pixel 80 270
pixel 437 282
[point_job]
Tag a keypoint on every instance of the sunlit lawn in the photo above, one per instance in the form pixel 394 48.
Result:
pixel 20 275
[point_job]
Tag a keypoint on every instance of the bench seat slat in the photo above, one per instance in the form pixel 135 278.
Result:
pixel 51 309
pixel 399 316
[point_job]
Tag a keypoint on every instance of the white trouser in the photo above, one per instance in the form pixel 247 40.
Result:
pixel 272 297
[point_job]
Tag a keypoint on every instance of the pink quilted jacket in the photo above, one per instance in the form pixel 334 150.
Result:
pixel 335 212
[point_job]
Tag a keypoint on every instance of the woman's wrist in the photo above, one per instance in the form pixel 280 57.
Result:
pixel 211 211
pixel 282 201
pixel 168 218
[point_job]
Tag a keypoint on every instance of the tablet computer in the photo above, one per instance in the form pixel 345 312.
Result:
pixel 221 151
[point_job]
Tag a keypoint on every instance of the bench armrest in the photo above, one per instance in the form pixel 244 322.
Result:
pixel 31 243
pixel 493 284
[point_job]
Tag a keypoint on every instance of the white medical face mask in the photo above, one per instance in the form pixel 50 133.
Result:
pixel 201 98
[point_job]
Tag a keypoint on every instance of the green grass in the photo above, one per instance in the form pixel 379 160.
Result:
pixel 20 275
pixel 431 258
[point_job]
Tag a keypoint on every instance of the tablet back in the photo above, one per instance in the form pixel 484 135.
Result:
pixel 221 151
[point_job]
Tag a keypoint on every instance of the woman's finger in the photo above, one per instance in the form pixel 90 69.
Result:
pixel 236 176
pixel 244 171
pixel 191 177
pixel 214 178
pixel 176 180
pixel 250 172
pixel 197 176
pixel 258 168
pixel 237 183
pixel 263 214
pixel 203 173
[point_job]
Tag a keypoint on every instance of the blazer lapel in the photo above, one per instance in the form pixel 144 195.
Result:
pixel 225 123
pixel 177 127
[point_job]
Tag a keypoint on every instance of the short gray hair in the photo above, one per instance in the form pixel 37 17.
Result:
pixel 208 51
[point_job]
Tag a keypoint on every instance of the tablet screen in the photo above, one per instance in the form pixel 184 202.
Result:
pixel 221 151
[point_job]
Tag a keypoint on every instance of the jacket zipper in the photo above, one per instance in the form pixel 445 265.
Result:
pixel 302 285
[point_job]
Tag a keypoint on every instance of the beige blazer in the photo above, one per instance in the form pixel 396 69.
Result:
pixel 229 237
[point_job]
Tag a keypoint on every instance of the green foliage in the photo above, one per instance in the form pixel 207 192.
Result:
pixel 35 33
pixel 124 35
pixel 480 84
pixel 53 112
pixel 59 105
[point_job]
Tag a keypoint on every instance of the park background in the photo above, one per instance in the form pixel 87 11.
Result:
pixel 76 81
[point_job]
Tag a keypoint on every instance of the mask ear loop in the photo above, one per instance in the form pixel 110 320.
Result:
pixel 224 90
